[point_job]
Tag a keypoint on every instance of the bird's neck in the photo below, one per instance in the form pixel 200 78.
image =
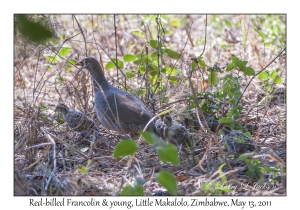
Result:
pixel 100 83
pixel 99 77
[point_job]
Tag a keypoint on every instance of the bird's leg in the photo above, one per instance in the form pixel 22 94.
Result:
pixel 193 156
pixel 187 155
pixel 110 136
pixel 182 150
pixel 92 143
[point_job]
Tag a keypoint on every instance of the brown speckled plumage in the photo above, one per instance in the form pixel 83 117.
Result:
pixel 76 120
pixel 237 142
pixel 175 132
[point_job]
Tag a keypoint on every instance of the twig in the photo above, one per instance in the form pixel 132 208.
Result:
pixel 54 160
pixel 64 143
pixel 36 69
pixel 204 36
pixel 197 103
pixel 79 26
pixel 203 158
pixel 258 74
pixel 57 54
pixel 116 44
pixel 100 57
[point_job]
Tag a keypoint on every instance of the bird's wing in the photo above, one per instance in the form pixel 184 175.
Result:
pixel 129 109
pixel 75 115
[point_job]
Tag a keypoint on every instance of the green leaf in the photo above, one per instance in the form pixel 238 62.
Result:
pixel 136 190
pixel 168 70
pixel 165 112
pixel 129 57
pixel 222 175
pixel 241 65
pixel 140 70
pixel 245 156
pixel 168 181
pixel 248 134
pixel 72 61
pixel 154 55
pixel 172 54
pixel 263 36
pixel 230 95
pixel 245 62
pixel 62 37
pixel 223 120
pixel 143 60
pixel 60 79
pixel 175 23
pixel 60 119
pixel 140 92
pixel 168 153
pixel 48 67
pixel 204 107
pixel 64 51
pixel 125 147
pixel 151 138
pixel 129 74
pixel 194 65
pixel 230 67
pixel 43 107
pixel 89 162
pixel 34 31
pixel 213 79
pixel 202 63
pixel 109 65
pixel 239 107
pixel 139 55
pixel 139 60
pixel 172 80
pixel 120 63
pixel 234 59
pixel 153 43
pixel 52 58
pixel 262 75
pixel 82 169
pixel 277 80
pixel 250 71
pixel 273 74
pixel 153 73
pixel 138 32
pixel 68 68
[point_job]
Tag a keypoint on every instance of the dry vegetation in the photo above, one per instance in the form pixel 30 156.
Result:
pixel 52 160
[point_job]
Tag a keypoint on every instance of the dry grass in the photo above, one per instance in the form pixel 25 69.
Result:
pixel 52 160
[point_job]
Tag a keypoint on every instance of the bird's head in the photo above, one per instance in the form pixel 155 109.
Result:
pixel 167 120
pixel 62 108
pixel 90 64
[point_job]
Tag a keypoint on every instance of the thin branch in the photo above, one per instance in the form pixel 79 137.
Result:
pixel 258 74
pixel 204 36
pixel 196 102
pixel 79 26
pixel 116 44
pixel 64 143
